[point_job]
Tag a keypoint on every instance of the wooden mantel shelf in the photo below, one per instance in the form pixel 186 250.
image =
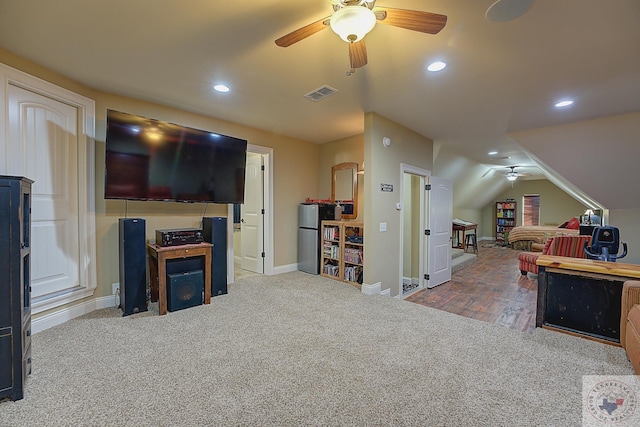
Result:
pixel 590 266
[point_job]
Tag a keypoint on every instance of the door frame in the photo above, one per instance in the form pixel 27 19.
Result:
pixel 267 229
pixel 423 220
pixel 86 176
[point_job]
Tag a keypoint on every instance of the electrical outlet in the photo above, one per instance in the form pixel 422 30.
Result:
pixel 115 288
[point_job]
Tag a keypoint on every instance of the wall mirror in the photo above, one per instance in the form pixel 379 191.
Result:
pixel 344 188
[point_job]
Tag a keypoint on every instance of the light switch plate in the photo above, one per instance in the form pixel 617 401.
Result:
pixel 383 226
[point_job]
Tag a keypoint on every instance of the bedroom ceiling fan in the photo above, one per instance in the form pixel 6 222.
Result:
pixel 353 19
pixel 512 175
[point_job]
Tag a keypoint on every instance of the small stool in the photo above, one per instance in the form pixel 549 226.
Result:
pixel 471 242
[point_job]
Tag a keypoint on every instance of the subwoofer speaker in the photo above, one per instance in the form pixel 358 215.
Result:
pixel 133 265
pixel 214 230
pixel 185 290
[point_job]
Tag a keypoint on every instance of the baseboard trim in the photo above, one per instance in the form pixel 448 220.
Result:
pixel 371 289
pixel 285 268
pixel 61 316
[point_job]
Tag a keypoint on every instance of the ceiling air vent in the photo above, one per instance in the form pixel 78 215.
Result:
pixel 321 93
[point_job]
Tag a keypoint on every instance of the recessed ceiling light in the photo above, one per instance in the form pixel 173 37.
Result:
pixel 221 88
pixel 436 66
pixel 564 103
pixel 492 153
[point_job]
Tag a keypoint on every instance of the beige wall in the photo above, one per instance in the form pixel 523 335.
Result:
pixel 291 158
pixel 594 157
pixel 474 184
pixel 627 221
pixel 472 215
pixel 383 165
pixel 295 176
pixel 556 206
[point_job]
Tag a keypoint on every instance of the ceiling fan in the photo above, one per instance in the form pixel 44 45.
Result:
pixel 353 19
pixel 512 175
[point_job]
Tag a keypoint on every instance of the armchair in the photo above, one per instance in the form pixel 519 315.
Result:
pixel 568 246
pixel 630 322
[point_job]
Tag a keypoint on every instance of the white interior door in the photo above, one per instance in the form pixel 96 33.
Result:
pixel 440 200
pixel 43 146
pixel 252 218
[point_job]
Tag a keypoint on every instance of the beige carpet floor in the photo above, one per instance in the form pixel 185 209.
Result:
pixel 301 350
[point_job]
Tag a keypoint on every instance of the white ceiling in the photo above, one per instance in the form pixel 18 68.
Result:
pixel 502 77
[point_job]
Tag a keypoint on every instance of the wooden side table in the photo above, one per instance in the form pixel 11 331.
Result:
pixel 158 256
pixel 456 229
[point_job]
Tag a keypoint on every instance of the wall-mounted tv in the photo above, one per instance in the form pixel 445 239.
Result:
pixel 149 159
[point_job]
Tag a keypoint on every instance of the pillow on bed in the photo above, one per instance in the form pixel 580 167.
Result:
pixel 573 224
pixel 563 225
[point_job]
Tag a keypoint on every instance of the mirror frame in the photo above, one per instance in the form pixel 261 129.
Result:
pixel 353 166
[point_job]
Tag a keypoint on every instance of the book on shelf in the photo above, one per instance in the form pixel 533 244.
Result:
pixel 331 233
pixel 352 273
pixel 353 255
pixel 331 270
pixel 331 250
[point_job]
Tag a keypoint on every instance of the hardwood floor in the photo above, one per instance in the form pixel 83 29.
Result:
pixel 491 289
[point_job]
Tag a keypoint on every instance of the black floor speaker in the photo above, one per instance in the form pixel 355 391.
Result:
pixel 214 230
pixel 133 265
pixel 184 290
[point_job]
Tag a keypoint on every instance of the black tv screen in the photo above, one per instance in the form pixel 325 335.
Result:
pixel 149 159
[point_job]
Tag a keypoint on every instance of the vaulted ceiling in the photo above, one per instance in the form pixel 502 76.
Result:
pixel 502 78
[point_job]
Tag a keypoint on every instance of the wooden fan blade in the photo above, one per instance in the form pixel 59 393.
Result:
pixel 303 33
pixel 424 22
pixel 358 54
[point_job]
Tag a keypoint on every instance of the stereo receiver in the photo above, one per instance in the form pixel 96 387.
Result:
pixel 179 236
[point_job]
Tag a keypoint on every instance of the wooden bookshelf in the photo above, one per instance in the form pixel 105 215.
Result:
pixel 505 219
pixel 343 251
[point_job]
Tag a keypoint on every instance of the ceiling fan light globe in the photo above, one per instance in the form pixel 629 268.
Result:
pixel 352 23
pixel 512 177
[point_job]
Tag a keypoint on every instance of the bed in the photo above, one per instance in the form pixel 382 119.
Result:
pixel 521 237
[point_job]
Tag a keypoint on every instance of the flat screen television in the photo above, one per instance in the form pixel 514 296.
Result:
pixel 149 159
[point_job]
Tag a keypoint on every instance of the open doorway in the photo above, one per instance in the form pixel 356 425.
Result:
pixel 411 250
pixel 250 244
pixel 425 258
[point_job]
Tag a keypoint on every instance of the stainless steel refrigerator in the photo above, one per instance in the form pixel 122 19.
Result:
pixel 310 216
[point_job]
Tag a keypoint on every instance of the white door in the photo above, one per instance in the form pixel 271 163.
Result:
pixel 43 146
pixel 440 200
pixel 251 223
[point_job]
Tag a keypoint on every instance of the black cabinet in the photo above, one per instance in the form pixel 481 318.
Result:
pixel 581 304
pixel 15 285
